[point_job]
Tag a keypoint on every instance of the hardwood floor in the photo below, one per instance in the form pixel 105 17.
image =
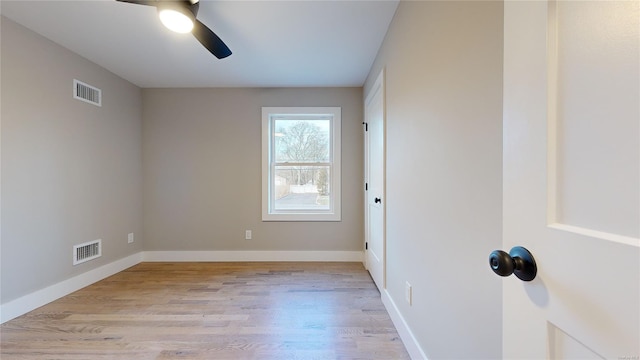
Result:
pixel 213 311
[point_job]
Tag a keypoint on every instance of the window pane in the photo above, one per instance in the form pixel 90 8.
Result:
pixel 301 140
pixel 301 188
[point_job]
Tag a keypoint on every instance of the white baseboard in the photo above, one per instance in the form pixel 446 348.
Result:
pixel 340 256
pixel 23 305
pixel 410 342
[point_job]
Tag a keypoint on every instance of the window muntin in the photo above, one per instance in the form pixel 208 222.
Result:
pixel 301 164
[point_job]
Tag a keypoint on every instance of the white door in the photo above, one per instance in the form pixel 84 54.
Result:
pixel 374 174
pixel 572 178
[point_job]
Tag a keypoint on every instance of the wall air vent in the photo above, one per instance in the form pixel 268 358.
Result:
pixel 87 251
pixel 87 93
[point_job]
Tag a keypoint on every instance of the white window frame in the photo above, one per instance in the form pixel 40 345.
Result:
pixel 269 115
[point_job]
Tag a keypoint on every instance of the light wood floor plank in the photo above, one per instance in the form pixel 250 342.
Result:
pixel 213 311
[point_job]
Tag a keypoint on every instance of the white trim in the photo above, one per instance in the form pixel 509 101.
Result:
pixel 410 342
pixel 36 299
pixel 334 213
pixel 339 256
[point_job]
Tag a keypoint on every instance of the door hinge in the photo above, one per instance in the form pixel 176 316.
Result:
pixel 366 126
pixel 366 246
pixel 366 186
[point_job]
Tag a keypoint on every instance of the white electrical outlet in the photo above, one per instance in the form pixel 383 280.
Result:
pixel 130 238
pixel 408 293
pixel 247 234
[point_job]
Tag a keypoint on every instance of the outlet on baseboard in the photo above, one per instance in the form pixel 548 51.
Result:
pixel 247 234
pixel 408 293
pixel 130 238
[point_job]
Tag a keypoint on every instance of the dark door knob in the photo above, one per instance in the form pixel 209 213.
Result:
pixel 377 201
pixel 518 261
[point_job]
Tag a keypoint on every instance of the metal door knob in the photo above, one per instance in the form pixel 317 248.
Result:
pixel 518 261
pixel 377 201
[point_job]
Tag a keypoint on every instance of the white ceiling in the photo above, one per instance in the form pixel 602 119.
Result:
pixel 274 43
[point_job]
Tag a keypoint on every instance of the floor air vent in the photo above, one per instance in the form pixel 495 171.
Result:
pixel 87 251
pixel 87 93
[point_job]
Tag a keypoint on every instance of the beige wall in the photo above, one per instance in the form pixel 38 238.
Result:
pixel 443 63
pixel 71 171
pixel 202 171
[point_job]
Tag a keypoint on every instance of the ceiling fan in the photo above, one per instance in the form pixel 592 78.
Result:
pixel 180 16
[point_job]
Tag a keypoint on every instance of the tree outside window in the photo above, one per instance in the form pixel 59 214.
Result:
pixel 300 161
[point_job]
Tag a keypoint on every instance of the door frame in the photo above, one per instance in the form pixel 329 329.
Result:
pixel 378 86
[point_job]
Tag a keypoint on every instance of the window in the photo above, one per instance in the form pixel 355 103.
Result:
pixel 301 164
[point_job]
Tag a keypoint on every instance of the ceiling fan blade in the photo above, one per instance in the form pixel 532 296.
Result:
pixel 141 2
pixel 210 40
